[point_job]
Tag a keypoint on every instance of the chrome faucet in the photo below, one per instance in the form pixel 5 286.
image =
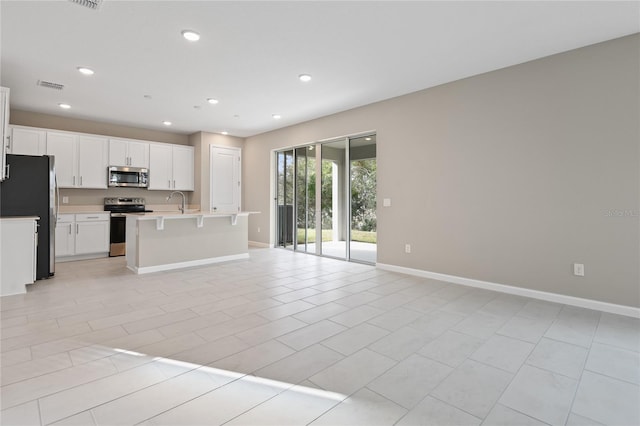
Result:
pixel 182 208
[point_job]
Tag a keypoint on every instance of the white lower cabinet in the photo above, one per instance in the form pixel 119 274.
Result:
pixel 65 235
pixel 81 236
pixel 17 254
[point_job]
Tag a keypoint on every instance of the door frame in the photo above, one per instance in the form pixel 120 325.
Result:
pixel 273 188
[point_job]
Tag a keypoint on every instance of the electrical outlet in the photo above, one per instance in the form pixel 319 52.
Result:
pixel 386 202
pixel 65 200
pixel 578 269
pixel 258 229
pixel 407 248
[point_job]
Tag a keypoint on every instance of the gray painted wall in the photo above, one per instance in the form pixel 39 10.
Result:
pixel 202 142
pixel 509 177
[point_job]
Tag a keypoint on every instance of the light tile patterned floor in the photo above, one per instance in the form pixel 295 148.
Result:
pixel 286 338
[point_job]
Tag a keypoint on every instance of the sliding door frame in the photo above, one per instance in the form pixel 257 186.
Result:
pixel 345 214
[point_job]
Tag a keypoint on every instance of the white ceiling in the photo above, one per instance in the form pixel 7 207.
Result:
pixel 251 53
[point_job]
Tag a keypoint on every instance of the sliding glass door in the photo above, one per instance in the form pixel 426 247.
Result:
pixel 333 202
pixel 326 199
pixel 363 183
pixel 284 199
pixel 305 199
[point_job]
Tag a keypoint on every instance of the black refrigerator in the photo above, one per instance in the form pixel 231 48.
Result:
pixel 30 190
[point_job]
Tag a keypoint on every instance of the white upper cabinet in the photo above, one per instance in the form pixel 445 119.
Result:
pixel 125 153
pixel 93 161
pixel 160 166
pixel 183 167
pixel 5 137
pixel 63 146
pixel 27 141
pixel 80 160
pixel 171 167
pixel 118 152
pixel 138 154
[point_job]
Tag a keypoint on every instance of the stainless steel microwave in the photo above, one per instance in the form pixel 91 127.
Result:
pixel 136 177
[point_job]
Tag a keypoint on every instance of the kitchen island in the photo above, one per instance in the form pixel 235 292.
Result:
pixel 168 240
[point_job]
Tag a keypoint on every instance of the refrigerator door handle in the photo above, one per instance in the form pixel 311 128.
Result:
pixel 6 175
pixel 57 199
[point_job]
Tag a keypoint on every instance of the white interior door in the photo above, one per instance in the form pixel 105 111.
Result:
pixel 225 180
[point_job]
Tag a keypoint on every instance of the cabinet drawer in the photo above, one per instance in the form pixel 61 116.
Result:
pixel 92 217
pixel 66 218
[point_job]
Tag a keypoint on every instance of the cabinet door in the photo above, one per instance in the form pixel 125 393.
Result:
pixel 118 152
pixel 4 130
pixel 160 171
pixel 65 239
pixel 92 162
pixel 63 147
pixel 138 154
pixel 182 168
pixel 28 141
pixel 92 237
pixel 17 256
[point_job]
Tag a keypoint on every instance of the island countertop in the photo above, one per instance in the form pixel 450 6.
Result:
pixel 172 214
pixel 198 215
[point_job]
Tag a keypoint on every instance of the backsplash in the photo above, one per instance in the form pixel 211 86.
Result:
pixel 87 197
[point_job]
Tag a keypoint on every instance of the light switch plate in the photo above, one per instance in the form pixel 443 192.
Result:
pixel 386 202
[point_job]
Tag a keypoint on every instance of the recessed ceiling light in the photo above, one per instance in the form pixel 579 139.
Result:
pixel 167 123
pixel 148 96
pixel 304 77
pixel 197 107
pixel 85 70
pixel 276 116
pixel 367 139
pixel 212 101
pixel 190 35
pixel 64 106
pixel 225 133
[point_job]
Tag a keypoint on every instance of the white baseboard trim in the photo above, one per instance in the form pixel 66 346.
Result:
pixel 187 264
pixel 612 308
pixel 14 292
pixel 259 244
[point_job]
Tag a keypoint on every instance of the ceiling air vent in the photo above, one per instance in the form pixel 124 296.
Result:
pixel 50 85
pixel 91 4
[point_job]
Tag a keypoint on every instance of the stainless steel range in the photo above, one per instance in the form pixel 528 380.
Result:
pixel 118 207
